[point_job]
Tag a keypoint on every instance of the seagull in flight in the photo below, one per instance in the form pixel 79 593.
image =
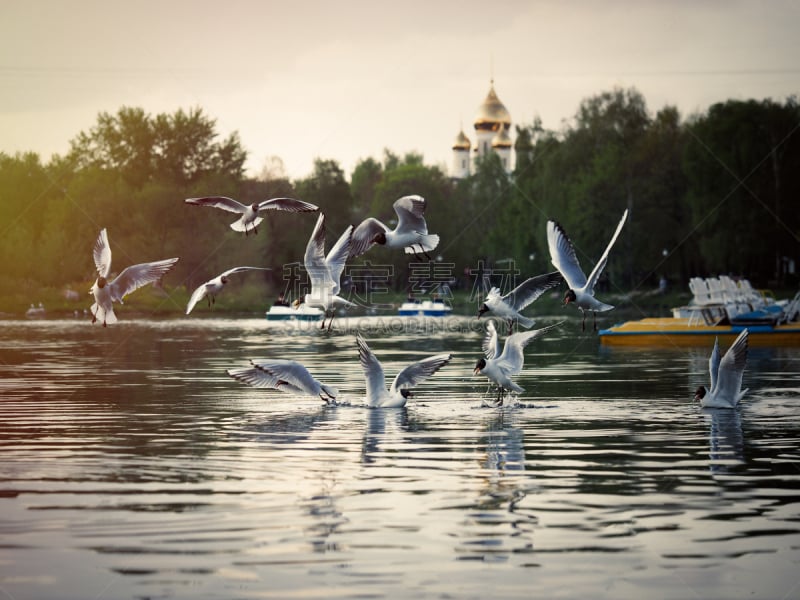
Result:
pixel 286 376
pixel 726 375
pixel 131 278
pixel 214 286
pixel 581 288
pixel 410 233
pixel 249 212
pixel 325 272
pixel 407 378
pixel 499 367
pixel 508 307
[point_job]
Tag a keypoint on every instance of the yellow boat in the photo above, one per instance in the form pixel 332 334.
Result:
pixel 671 331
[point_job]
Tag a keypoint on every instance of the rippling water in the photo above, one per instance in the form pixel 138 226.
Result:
pixel 133 467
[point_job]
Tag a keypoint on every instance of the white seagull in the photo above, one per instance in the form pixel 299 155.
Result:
pixel 500 367
pixel 411 231
pixel 726 375
pixel 508 307
pixel 324 272
pixel 130 279
pixel 214 286
pixel 581 288
pixel 249 212
pixel 286 376
pixel 400 390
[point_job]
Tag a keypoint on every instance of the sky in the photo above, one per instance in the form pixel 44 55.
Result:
pixel 344 80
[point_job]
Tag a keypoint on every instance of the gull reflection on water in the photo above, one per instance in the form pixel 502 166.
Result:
pixel 726 439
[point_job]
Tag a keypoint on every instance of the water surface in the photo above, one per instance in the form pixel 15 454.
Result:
pixel 133 467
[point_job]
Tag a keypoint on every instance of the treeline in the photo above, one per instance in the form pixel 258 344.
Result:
pixel 716 193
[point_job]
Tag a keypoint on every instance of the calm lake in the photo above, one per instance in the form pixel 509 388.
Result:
pixel 134 467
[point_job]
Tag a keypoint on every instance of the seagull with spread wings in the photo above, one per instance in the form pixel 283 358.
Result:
pixel 509 307
pixel 411 231
pixel 286 376
pixel 500 367
pixel 214 286
pixel 409 377
pixel 249 212
pixel 581 288
pixel 725 390
pixel 131 278
pixel 325 272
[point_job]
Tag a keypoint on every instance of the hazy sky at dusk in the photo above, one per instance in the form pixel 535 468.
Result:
pixel 344 80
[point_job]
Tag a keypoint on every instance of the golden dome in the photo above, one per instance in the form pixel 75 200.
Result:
pixel 462 142
pixel 501 139
pixel 492 115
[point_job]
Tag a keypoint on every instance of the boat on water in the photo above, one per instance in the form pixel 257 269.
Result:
pixel 279 312
pixel 425 308
pixel 720 307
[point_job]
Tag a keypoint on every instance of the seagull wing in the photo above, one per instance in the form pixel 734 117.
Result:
pixel 731 369
pixel 530 289
pixel 223 202
pixel 291 375
pixel 373 371
pixel 314 259
pixel 364 236
pixel 410 214
pixel 713 366
pixel 287 204
pixel 598 268
pixel 417 372
pixel 102 254
pixel 135 276
pixel 512 358
pixel 197 295
pixel 337 257
pixel 491 341
pixel 257 378
pixel 240 269
pixel 562 254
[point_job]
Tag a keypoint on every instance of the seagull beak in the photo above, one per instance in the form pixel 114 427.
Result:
pixel 476 370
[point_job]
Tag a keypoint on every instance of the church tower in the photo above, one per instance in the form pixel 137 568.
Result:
pixel 461 157
pixel 492 132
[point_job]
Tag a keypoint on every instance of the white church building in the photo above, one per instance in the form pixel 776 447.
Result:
pixel 492 134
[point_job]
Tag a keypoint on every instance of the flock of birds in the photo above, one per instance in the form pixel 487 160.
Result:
pixel 499 365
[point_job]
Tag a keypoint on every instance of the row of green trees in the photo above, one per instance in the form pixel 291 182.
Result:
pixel 716 193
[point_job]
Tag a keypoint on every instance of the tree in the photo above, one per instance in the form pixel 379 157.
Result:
pixel 177 148
pixel 742 161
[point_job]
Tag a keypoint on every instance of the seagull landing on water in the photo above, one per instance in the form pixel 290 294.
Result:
pixel 249 212
pixel 508 307
pixel 500 367
pixel 286 376
pixel 581 288
pixel 400 390
pixel 725 390
pixel 130 279
pixel 410 233
pixel 324 272
pixel 212 287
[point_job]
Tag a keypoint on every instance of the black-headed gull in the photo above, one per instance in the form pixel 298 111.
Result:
pixel 508 307
pixel 130 279
pixel 500 367
pixel 581 288
pixel 725 390
pixel 411 231
pixel 324 272
pixel 400 391
pixel 285 375
pixel 214 286
pixel 249 212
